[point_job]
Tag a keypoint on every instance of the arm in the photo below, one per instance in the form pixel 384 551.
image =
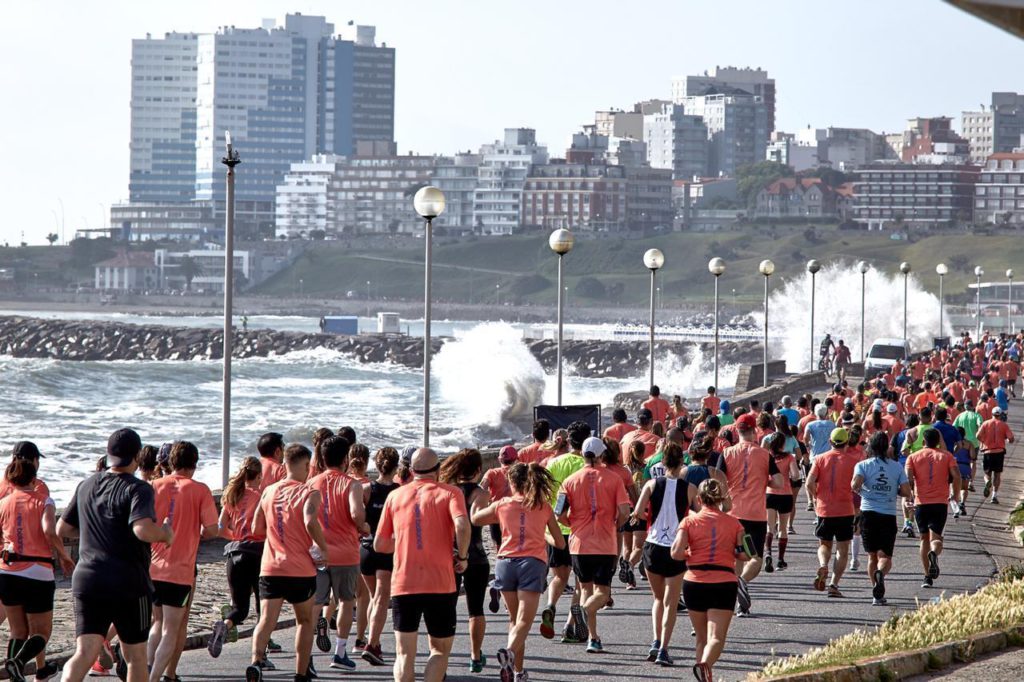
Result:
pixel 384 540
pixel 50 531
pixel 812 482
pixel 357 508
pixel 224 524
pixel 554 533
pixel 209 518
pixel 720 477
pixel 857 484
pixel 623 514
pixel 462 537
pixel 66 531
pixel 485 516
pixel 679 545
pixel 478 501
pixel 148 531
pixel 641 504
pixel 259 521
pixel 740 554
pixel 311 515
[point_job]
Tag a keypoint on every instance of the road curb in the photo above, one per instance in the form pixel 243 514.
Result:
pixel 909 663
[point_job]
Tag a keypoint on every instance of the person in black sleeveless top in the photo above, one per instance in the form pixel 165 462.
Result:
pixel 374 566
pixel 464 470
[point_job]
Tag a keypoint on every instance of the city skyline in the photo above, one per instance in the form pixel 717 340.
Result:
pixel 82 162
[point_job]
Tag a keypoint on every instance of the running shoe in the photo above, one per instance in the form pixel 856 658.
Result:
pixel 505 665
pixel 623 571
pixel 120 663
pixel 610 604
pixel 359 645
pixel 579 620
pixel 782 565
pixel 568 637
pixel 743 595
pixel 594 647
pixel 876 601
pixel 681 606
pixel 970 486
pixel 927 582
pixel 253 673
pixel 791 530
pixel 266 664
pixel 769 567
pixel 547 623
pixel 664 659
pixel 810 506
pixel 311 672
pixel 642 571
pixel 933 565
pixel 878 591
pixel 962 509
pixel 373 654
pixel 702 671
pixel 343 663
pixel 819 579
pixel 909 530
pixel 995 499
pixel 273 647
pixel 15 670
pixel 833 591
pixel 47 671
pixel 106 657
pixel 987 490
pixel 478 665
pixel 215 643
pixel 493 604
pixel 522 677
pixel 225 609
pixel 652 655
pixel 98 670
pixel 323 635
pixel 854 565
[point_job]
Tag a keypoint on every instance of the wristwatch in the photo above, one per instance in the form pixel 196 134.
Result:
pixel 462 558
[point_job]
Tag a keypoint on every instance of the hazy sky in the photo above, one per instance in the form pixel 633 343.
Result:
pixel 468 68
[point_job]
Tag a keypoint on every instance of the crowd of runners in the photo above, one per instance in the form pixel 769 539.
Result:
pixel 695 503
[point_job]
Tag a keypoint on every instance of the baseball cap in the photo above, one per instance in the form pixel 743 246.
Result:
pixel 594 446
pixel 25 449
pixel 877 405
pixel 891 409
pixel 747 422
pixel 997 410
pixel 724 406
pixel 839 436
pixel 848 418
pixel 122 447
pixel 508 454
pixel 407 452
pixel 163 456
pixel 848 401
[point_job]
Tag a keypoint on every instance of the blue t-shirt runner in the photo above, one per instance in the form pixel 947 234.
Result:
pixel 882 481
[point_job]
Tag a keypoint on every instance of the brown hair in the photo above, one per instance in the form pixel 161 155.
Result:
pixel 672 455
pixel 635 456
pixel 20 472
pixel 147 458
pixel 319 436
pixel 533 482
pixel 711 492
pixel 184 456
pixel 358 457
pixel 612 452
pixel 249 471
pixel 296 452
pixel 658 429
pixel 464 465
pixel 386 461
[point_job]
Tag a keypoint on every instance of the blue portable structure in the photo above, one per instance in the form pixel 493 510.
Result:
pixel 340 324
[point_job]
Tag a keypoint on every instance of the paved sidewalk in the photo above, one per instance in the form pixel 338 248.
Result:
pixel 1005 667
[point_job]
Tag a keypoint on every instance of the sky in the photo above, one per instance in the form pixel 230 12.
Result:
pixel 467 69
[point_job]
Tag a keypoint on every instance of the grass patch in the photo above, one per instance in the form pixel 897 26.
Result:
pixel 1017 515
pixel 997 606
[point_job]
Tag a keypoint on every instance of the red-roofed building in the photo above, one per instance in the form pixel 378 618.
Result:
pixel 128 270
pixel 799 198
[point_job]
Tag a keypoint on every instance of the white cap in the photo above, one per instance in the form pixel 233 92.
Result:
pixel 593 446
pixel 821 410
pixel 997 410
pixel 892 409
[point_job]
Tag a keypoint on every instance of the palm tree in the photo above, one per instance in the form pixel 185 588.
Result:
pixel 189 268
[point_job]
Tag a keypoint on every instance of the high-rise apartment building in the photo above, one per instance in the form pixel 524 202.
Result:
pixel 504 167
pixel 995 129
pixel 751 81
pixel 737 125
pixel 677 141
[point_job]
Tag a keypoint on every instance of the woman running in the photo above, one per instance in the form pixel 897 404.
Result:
pixel 374 566
pixel 665 501
pixel 464 470
pixel 243 550
pixel 149 468
pixel 632 534
pixel 358 463
pixel 28 531
pixel 522 567
pixel 711 542
pixel 780 500
pixel 318 465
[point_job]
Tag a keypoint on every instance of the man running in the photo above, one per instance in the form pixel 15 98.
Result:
pixel 829 483
pixel 113 515
pixel 593 503
pixel 271 449
pixel 420 524
pixel 535 452
pixel 842 359
pixel 645 422
pixel 993 436
pixel 929 472
pixel 658 406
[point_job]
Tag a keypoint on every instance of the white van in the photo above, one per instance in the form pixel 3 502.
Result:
pixel 883 355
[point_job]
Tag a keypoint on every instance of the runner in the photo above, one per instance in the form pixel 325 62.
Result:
pixel 288 513
pixel 929 472
pixel 592 503
pixel 965 455
pixel 749 470
pixel 710 401
pixel 113 516
pixel 828 483
pixel 779 501
pixel 534 452
pixel 643 434
pixel 243 550
pixel 358 463
pixel 376 567
pixel 842 360
pixel 665 501
pixel 710 542
pixel 880 481
pixel 520 573
pixel 343 518
pixel 495 483
pixel 420 523
pixel 658 406
pixel 620 426
pixel 271 449
pixel 189 506
pixel 464 470
pixel 993 436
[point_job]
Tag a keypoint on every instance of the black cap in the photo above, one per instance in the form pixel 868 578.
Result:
pixel 25 449
pixel 122 447
pixel 644 414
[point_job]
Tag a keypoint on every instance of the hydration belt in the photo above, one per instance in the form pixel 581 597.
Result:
pixel 10 557
pixel 710 567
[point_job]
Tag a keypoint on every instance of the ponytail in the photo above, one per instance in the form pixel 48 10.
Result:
pixel 20 472
pixel 876 420
pixel 533 482
pixel 463 466
pixel 248 472
pixel 711 492
pixel 319 436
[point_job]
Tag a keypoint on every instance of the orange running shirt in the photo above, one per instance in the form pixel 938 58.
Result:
pixel 649 440
pixel 239 517
pixel 711 402
pixel 532 453
pixel 594 496
pixel 932 472
pixel 21 518
pixel 748 470
pixel 833 471
pixel 993 435
pixel 522 528
pixel 272 472
pixel 286 552
pixel 190 507
pixel 617 431
pixel 495 482
pixel 420 516
pixel 39 489
pixel 711 538
pixel 659 408
pixel 782 464
pixel 336 518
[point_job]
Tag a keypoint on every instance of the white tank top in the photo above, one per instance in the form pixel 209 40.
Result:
pixel 662 530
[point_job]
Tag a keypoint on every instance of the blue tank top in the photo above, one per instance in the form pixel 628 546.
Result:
pixel 696 474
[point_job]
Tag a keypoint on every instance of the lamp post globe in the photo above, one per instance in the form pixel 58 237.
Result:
pixel 429 202
pixel 766 267
pixel 978 271
pixel 941 270
pixel 813 266
pixel 716 266
pixel 863 266
pixel 905 268
pixel 1009 274
pixel 561 241
pixel 654 259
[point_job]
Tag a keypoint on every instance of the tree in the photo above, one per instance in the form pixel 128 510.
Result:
pixel 317 235
pixel 750 179
pixel 189 268
pixel 52 238
pixel 830 176
pixel 590 287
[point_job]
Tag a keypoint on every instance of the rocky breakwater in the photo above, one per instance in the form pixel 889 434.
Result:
pixel 627 359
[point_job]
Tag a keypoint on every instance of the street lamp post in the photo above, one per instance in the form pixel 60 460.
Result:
pixel 905 269
pixel 978 272
pixel 231 159
pixel 429 203
pixel 766 268
pixel 941 270
pixel 863 267
pixel 653 260
pixel 367 298
pixel 716 266
pixel 497 295
pixel 1009 300
pixel 813 267
pixel 560 241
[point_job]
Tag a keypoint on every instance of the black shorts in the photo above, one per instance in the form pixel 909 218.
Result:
pixel 371 561
pixel 702 597
pixel 594 568
pixel 757 530
pixel 931 517
pixel 131 617
pixel 834 528
pixel 992 462
pixel 783 504
pixel 437 610
pixel 170 594
pixel 34 596
pixel 557 558
pixel 878 532
pixel 658 560
pixel 638 527
pixel 292 590
pixel 475 579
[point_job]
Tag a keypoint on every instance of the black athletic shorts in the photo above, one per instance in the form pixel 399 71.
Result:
pixel 292 590
pixel 834 528
pixel 931 517
pixel 783 504
pixel 557 558
pixel 437 610
pixel 371 561
pixel 638 527
pixel 594 568
pixel 475 579
pixel 878 532
pixel 757 530
pixel 170 594
pixel 658 560
pixel 131 617
pixel 34 596
pixel 992 462
pixel 701 597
